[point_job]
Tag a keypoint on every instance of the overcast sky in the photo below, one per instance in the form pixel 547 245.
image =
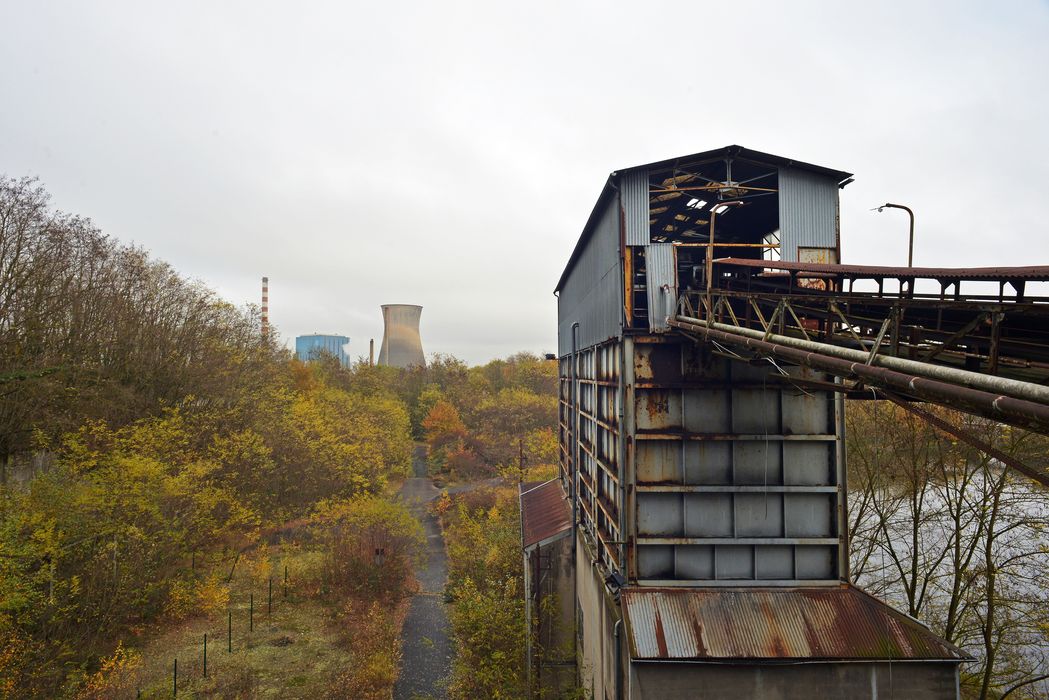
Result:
pixel 448 154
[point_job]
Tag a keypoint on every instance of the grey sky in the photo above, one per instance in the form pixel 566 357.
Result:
pixel 447 154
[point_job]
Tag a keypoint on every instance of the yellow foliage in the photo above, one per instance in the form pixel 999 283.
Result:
pixel 261 566
pixel 375 652
pixel 182 600
pixel 117 676
pixel 213 596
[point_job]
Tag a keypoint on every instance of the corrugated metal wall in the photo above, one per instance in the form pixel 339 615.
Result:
pixel 634 189
pixel 808 212
pixel 599 449
pixel 593 292
pixel 736 477
pixel 660 264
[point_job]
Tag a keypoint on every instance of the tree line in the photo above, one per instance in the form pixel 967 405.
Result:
pixel 955 539
pixel 171 438
pixel 170 434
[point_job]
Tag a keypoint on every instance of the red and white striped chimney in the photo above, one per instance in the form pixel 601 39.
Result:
pixel 265 307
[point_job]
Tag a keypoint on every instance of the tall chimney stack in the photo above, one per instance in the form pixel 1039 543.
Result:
pixel 371 352
pixel 265 308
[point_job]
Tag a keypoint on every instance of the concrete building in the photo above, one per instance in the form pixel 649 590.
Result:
pixel 311 347
pixel 546 529
pixel 707 489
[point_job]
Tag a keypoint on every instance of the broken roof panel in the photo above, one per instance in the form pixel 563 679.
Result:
pixel 719 624
pixel 545 514
pixel 735 153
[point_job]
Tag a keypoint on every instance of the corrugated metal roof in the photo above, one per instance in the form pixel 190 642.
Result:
pixel 1029 273
pixel 733 151
pixel 744 153
pixel 544 512
pixel 719 624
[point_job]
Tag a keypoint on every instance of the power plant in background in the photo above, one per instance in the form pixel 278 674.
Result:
pixel 312 347
pixel 401 345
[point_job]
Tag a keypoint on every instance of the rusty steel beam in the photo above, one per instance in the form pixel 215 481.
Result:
pixel 1030 472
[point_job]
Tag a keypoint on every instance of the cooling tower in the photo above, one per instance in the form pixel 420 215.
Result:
pixel 401 345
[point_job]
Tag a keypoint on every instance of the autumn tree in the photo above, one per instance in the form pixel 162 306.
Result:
pixel 954 537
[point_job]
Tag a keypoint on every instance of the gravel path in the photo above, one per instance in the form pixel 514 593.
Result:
pixel 425 641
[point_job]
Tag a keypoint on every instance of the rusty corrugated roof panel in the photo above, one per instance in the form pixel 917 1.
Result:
pixel 544 512
pixel 718 624
pixel 1029 273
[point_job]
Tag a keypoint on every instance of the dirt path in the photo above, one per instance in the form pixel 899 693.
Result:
pixel 425 639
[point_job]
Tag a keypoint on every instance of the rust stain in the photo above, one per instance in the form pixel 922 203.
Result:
pixel 657 403
pixel 697 629
pixel 840 623
pixel 642 365
pixel 661 637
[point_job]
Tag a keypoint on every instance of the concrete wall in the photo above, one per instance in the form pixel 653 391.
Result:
pixel 856 681
pixel 599 612
pixel 552 611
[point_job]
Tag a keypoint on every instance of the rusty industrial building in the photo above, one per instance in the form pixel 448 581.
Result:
pixel 696 537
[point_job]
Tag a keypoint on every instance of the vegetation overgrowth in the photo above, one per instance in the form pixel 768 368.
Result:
pixel 499 419
pixel 153 444
pixel 486 589
pixel 949 535
pixel 151 439
pixel 155 449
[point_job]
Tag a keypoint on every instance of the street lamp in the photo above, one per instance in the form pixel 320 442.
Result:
pixel 910 246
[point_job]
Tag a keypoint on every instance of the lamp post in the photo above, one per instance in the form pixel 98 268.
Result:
pixel 910 245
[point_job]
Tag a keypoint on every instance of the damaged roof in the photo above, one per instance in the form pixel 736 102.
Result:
pixel 774 624
pixel 545 514
pixel 733 152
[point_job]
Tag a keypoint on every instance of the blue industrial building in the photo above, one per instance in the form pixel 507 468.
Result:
pixel 310 347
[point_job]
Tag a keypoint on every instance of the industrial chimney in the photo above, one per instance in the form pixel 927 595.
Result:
pixel 401 345
pixel 265 307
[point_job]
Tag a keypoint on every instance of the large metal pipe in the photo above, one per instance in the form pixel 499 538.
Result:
pixel 997 407
pixel 952 375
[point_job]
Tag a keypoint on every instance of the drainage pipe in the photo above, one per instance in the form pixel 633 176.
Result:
pixel 574 393
pixel 997 407
pixel 974 380
pixel 619 659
